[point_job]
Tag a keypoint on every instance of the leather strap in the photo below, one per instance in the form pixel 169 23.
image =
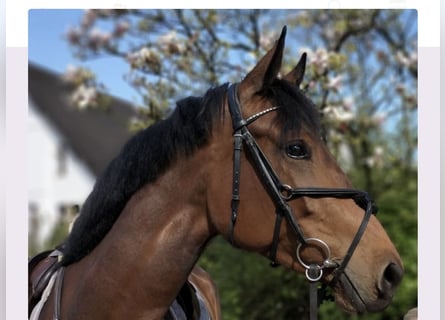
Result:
pixel 238 121
pixel 281 193
pixel 58 292
pixel 276 235
pixel 237 148
pixel 313 300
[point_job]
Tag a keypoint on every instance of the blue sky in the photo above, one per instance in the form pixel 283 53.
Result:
pixel 46 44
pixel 47 47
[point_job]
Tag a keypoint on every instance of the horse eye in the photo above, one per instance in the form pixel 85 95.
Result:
pixel 297 150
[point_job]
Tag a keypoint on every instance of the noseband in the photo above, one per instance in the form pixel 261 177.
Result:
pixel 281 194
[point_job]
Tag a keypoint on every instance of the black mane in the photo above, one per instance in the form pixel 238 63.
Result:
pixel 142 160
pixel 151 152
pixel 296 109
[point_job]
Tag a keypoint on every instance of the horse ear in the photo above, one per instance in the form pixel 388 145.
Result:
pixel 265 71
pixel 297 74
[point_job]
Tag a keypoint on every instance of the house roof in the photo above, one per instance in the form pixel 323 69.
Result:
pixel 94 135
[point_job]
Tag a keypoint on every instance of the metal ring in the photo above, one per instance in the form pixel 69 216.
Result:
pixel 286 192
pixel 320 270
pixel 324 246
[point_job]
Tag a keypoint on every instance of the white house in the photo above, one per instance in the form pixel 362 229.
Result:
pixel 67 147
pixel 57 177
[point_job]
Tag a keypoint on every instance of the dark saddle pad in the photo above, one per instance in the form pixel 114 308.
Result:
pixel 187 306
pixel 40 269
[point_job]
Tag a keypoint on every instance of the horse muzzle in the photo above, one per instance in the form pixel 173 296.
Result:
pixel 353 297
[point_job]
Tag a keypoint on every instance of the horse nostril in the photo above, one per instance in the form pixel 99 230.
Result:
pixel 392 276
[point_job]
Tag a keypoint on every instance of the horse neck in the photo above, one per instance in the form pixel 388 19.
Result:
pixel 147 255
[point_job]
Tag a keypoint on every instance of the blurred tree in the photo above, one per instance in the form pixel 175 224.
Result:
pixel 34 243
pixel 61 228
pixel 175 53
pixel 362 73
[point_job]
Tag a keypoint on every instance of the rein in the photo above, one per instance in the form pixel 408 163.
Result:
pixel 281 194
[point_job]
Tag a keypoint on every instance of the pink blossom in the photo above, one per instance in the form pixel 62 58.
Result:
pixel 71 74
pixel 348 103
pixel 319 59
pixel 88 18
pixel 98 39
pixel 121 28
pixel 379 119
pixel 266 39
pixel 74 35
pixel 140 58
pixel 335 83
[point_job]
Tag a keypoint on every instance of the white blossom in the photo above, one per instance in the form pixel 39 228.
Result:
pixel 319 59
pixel 377 158
pixel 71 74
pixel 379 118
pixel 348 103
pixel 137 58
pixel 84 96
pixel 406 61
pixel 167 38
pixel 266 39
pixel 145 53
pixel 77 75
pixel 98 38
pixel 338 113
pixel 335 83
pixel 143 58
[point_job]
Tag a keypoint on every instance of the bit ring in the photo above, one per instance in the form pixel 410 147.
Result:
pixel 327 262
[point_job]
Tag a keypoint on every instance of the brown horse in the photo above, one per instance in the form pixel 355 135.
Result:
pixel 245 161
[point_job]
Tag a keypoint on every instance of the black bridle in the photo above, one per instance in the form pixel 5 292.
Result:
pixel 281 194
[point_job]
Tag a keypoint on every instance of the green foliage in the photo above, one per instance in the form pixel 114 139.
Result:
pixel 251 289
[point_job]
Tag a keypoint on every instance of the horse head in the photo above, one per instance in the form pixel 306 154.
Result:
pixel 290 200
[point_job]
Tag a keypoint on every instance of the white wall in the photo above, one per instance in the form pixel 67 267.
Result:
pixel 47 188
